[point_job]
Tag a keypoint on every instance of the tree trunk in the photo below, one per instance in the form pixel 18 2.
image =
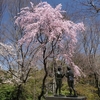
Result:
pixel 43 86
pixel 97 84
pixel 96 80
pixel 45 76
pixel 18 92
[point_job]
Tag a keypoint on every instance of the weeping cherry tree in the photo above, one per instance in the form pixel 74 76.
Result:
pixel 48 32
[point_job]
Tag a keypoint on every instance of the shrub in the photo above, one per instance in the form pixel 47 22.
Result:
pixel 88 91
pixel 6 91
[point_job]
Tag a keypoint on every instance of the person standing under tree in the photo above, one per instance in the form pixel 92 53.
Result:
pixel 70 80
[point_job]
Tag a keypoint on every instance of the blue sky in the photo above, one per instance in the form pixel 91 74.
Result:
pixel 64 3
pixel 68 5
pixel 53 3
pixel 72 7
pixel 56 2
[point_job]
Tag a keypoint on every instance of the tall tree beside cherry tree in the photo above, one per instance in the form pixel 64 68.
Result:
pixel 2 8
pixel 48 31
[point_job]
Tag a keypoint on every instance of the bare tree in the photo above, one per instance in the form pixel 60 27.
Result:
pixel 91 43
pixel 92 5
pixel 19 64
pixel 2 8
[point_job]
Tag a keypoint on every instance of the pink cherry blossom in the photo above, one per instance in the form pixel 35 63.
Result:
pixel 47 22
pixel 77 70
